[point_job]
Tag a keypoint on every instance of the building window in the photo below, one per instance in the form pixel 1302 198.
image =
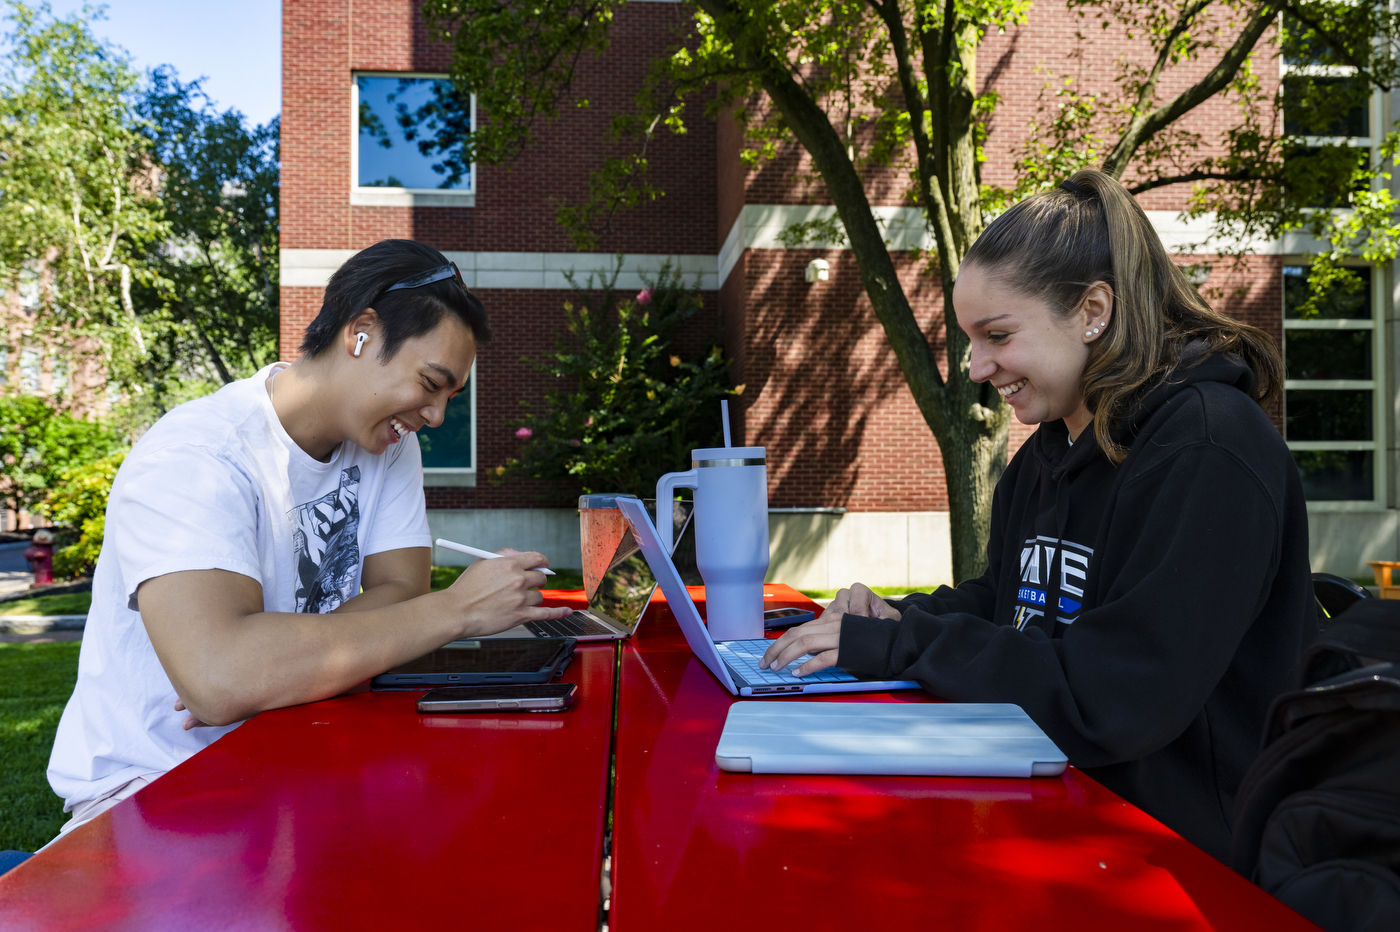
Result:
pixel 408 141
pixel 449 451
pixel 29 286
pixel 30 367
pixel 1332 410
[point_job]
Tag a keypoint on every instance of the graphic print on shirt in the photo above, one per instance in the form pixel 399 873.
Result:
pixel 327 542
pixel 1041 559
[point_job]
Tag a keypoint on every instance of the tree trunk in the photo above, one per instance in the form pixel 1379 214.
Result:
pixel 968 419
pixel 975 422
pixel 974 456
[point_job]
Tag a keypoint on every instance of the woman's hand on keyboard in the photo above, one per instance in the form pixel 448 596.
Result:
pixel 822 637
pixel 818 638
pixel 859 599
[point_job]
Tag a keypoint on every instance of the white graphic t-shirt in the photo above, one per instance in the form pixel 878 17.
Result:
pixel 218 484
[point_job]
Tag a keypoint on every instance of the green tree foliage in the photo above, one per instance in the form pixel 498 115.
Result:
pixel 79 502
pixel 213 297
pixel 871 84
pixel 77 200
pixel 146 220
pixel 38 443
pixel 631 408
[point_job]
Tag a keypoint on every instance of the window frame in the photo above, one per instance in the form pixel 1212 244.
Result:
pixel 1379 383
pixel 1287 71
pixel 1376 385
pixel 459 476
pixel 400 197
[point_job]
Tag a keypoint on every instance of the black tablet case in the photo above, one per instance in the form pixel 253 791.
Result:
pixel 474 663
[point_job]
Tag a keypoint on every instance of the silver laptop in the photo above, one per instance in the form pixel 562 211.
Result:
pixel 944 739
pixel 624 591
pixel 735 663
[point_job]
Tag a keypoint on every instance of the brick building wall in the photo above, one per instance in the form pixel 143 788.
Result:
pixel 516 203
pixel 1056 44
pixel 822 380
pixel 326 42
pixel 823 391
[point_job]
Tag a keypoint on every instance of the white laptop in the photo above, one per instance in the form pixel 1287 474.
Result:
pixel 623 593
pixel 943 739
pixel 735 663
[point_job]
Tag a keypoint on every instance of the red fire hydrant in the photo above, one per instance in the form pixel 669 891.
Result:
pixel 40 557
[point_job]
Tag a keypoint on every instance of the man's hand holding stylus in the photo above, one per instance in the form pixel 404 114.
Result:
pixel 494 595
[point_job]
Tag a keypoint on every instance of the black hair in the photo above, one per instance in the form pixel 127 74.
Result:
pixel 363 282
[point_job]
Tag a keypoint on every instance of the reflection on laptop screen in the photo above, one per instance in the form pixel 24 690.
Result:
pixel 627 585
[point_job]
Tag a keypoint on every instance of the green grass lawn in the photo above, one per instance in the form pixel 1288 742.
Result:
pixel 35 683
pixel 444 576
pixel 72 603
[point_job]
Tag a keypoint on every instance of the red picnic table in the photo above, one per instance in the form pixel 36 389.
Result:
pixel 697 848
pixel 353 813
pixel 357 812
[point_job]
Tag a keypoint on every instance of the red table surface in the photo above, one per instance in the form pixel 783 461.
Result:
pixel 353 813
pixel 697 848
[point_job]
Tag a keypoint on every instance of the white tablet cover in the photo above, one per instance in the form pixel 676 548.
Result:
pixel 977 739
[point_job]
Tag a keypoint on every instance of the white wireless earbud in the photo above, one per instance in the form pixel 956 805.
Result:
pixel 360 339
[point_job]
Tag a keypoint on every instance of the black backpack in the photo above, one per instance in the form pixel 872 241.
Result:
pixel 1317 818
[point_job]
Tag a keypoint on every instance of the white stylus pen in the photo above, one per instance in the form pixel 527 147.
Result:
pixel 484 554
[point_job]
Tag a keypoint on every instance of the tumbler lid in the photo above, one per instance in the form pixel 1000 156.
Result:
pixel 727 456
pixel 601 500
pixel 722 453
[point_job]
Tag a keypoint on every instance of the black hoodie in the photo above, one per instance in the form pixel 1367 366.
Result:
pixel 1181 595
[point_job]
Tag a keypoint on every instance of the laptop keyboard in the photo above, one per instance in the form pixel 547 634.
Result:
pixel 576 625
pixel 743 656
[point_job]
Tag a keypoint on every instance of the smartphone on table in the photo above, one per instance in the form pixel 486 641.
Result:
pixel 778 618
pixel 533 697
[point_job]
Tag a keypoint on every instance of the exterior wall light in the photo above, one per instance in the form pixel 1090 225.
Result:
pixel 818 270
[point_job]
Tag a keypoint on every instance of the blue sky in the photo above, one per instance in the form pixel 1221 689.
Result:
pixel 237 46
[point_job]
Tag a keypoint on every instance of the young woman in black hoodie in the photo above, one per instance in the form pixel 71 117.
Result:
pixel 1148 591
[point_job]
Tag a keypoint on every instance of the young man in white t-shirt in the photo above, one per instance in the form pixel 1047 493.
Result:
pixel 268 545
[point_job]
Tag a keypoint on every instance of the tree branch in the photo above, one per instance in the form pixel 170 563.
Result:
pixel 929 194
pixel 1183 22
pixel 1335 44
pixel 1202 175
pixel 809 123
pixel 214 356
pixel 1144 126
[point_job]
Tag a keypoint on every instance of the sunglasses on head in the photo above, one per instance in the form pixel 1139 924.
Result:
pixel 427 278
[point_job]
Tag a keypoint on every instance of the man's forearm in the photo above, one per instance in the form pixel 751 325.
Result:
pixel 380 596
pixel 229 659
pixel 268 660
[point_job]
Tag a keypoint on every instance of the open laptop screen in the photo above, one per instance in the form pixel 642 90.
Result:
pixel 628 582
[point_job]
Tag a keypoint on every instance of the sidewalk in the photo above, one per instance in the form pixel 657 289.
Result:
pixel 41 629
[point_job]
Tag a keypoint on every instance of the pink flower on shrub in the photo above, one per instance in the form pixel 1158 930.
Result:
pixel 644 296
pixel 524 433
pixel 575 443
